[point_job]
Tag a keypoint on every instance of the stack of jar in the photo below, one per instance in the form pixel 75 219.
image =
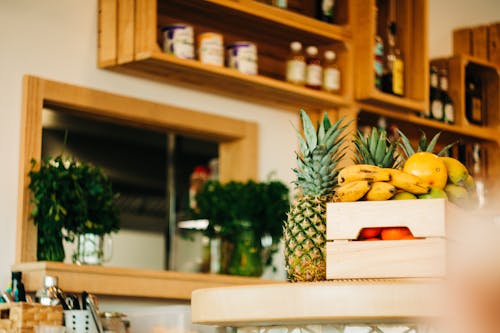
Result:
pixel 311 70
pixel 178 40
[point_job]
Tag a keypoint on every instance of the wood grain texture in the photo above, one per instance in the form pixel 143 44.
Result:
pixel 114 281
pixel 494 43
pixel 424 218
pixel 238 139
pixel 480 42
pixel 420 258
pixel 106 35
pixel 145 28
pixel 125 31
pixel 462 41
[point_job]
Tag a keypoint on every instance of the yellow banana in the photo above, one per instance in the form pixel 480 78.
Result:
pixel 352 191
pixel 380 191
pixel 457 172
pixel 407 182
pixel 368 172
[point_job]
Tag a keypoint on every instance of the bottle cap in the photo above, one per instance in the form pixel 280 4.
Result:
pixel 312 50
pixel 17 275
pixel 330 55
pixel 50 281
pixel 296 46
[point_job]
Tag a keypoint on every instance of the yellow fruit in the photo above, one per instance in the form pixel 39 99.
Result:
pixel 428 167
pixel 434 193
pixel 408 182
pixel 457 172
pixel 380 191
pixel 470 184
pixel 351 191
pixel 363 172
pixel 457 194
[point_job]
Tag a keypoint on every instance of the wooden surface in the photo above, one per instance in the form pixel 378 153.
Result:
pixel 494 43
pixel 106 39
pixel 238 140
pixel 320 302
pixel 480 42
pixel 419 258
pixel 462 41
pixel 111 281
pixel 424 218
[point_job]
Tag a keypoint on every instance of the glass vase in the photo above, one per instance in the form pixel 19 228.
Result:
pixel 92 249
pixel 246 256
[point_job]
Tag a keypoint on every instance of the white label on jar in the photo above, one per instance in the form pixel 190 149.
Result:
pixel 437 109
pixel 244 59
pixel 449 113
pixel 295 71
pixel 313 75
pixel 331 79
pixel 211 51
pixel 180 43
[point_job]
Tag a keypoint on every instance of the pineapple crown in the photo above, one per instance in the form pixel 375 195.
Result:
pixel 375 149
pixel 423 146
pixel 319 155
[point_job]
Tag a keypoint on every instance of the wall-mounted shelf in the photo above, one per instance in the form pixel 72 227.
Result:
pixel 129 42
pixel 111 281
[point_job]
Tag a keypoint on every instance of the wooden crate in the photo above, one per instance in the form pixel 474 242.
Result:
pixel 425 257
pixel 23 317
pixel 494 43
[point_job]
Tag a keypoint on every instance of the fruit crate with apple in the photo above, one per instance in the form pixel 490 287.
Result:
pixel 419 254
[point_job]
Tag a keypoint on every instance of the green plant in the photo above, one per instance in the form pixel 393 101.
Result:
pixel 263 204
pixel 73 196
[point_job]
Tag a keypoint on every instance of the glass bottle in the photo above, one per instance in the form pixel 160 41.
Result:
pixel 47 295
pixel 448 109
pixel 324 10
pixel 378 64
pixel 393 79
pixel 474 99
pixel 331 73
pixel 280 3
pixel 296 65
pixel 436 100
pixel 313 68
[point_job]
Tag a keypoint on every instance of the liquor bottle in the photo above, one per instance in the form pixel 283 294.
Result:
pixel 393 78
pixel 280 3
pixel 47 295
pixel 474 99
pixel 324 10
pixel 313 68
pixel 296 65
pixel 448 109
pixel 436 103
pixel 378 63
pixel 331 73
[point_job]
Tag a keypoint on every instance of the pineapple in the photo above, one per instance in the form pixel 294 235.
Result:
pixel 317 170
pixel 375 149
pixel 423 146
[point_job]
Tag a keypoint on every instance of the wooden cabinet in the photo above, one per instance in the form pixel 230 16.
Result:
pixel 371 18
pixel 129 41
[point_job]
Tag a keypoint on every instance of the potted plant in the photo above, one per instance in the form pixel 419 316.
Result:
pixel 71 199
pixel 241 214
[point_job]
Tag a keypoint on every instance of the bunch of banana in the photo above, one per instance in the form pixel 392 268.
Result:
pixel 372 183
pixel 461 189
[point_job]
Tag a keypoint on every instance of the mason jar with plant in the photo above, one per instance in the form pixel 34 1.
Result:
pixel 241 215
pixel 71 199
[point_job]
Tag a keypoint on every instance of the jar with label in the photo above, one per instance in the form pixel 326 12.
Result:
pixel 211 48
pixel 296 65
pixel 242 56
pixel 314 71
pixel 331 73
pixel 178 40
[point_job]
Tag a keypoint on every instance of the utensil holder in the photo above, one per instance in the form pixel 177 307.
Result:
pixel 79 321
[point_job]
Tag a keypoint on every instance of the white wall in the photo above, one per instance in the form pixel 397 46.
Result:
pixel 57 40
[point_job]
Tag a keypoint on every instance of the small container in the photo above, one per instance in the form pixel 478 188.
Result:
pixel 243 57
pixel 113 322
pixel 178 40
pixel 211 48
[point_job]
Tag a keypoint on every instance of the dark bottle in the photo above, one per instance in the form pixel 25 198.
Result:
pixel 18 291
pixel 393 78
pixel 324 10
pixel 435 105
pixel 474 106
pixel 378 64
pixel 448 109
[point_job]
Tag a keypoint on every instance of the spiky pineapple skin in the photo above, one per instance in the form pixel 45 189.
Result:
pixel 305 239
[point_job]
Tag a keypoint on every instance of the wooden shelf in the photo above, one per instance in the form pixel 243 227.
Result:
pixel 228 81
pixel 111 281
pixel 365 301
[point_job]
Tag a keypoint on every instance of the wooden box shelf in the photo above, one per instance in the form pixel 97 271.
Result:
pixel 411 19
pixel 129 41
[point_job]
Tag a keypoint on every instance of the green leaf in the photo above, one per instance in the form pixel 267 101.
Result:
pixel 432 143
pixel 309 131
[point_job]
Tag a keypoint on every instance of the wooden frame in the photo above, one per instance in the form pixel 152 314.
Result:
pixel 237 139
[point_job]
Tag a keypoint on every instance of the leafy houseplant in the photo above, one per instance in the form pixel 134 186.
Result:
pixel 239 212
pixel 73 196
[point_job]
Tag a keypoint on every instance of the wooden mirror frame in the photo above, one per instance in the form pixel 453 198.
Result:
pixel 238 140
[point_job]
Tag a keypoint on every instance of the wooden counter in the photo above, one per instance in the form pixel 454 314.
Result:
pixel 112 281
